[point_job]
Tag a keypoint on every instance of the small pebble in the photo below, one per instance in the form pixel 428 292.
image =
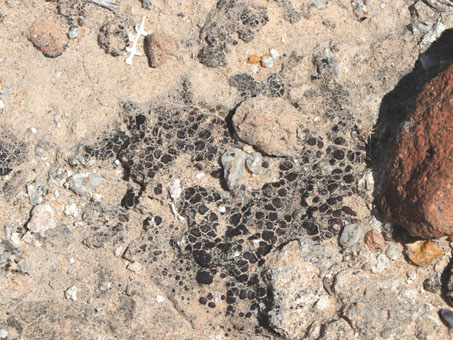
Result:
pixel 274 53
pixel 104 286
pixel 411 274
pixel 233 161
pixel 268 62
pixel 374 240
pixel 253 59
pixel 158 47
pixel 254 162
pixel 71 210
pixel 393 252
pixel 119 251
pixel 33 130
pixel 351 235
pixel 382 263
pixel 134 267
pixel 42 219
pixel 2 104
pixel 159 298
pixel 83 184
pixel 3 333
pixel 36 191
pixel 447 316
pixel 71 293
pixel 73 33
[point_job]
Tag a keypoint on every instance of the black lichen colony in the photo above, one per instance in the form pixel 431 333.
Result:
pixel 228 237
pixel 230 18
pixel 11 154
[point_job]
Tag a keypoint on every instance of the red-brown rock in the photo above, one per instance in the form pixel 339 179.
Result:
pixel 48 37
pixel 418 189
pixel 158 47
pixel 374 240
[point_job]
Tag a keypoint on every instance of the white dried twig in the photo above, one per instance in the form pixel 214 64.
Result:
pixel 109 4
pixel 133 50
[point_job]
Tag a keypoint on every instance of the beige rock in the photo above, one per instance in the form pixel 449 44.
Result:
pixel 270 124
pixel 42 219
pixel 299 297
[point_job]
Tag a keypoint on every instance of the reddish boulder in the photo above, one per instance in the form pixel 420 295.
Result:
pixel 418 188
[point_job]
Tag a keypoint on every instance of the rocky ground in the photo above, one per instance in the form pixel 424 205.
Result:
pixel 215 169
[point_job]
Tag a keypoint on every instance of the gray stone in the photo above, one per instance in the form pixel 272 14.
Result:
pixel 351 235
pixel 83 184
pixel 447 316
pixel 36 191
pixel 254 162
pixel 73 33
pixel 233 161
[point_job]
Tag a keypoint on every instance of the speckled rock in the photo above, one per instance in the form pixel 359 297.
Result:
pixel 48 37
pixel 270 124
pixel 299 297
pixel 158 47
pixel 398 314
pixel 418 190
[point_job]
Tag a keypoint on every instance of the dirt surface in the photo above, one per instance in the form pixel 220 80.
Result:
pixel 117 221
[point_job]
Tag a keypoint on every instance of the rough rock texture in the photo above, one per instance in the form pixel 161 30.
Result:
pixel 299 298
pixel 48 37
pixel 395 313
pixel 158 47
pixel 418 191
pixel 270 124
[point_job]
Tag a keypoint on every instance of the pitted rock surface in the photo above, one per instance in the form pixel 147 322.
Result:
pixel 418 190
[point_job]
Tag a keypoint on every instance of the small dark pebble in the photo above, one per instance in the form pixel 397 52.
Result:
pixel 447 316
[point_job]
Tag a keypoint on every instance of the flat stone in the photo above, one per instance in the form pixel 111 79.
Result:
pixel 418 188
pixel 270 124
